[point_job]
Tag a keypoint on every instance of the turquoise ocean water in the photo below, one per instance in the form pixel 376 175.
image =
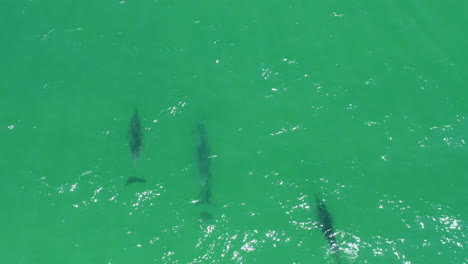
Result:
pixel 361 102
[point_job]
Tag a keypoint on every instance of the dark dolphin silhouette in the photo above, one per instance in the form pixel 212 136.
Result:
pixel 326 226
pixel 136 135
pixel 135 143
pixel 204 172
pixel 203 162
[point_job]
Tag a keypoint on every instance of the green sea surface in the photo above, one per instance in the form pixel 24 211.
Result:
pixel 361 102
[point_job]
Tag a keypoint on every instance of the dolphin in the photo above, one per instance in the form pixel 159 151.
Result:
pixel 136 138
pixel 136 135
pixel 326 226
pixel 203 162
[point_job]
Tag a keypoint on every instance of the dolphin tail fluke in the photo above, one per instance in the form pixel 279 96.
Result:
pixel 134 178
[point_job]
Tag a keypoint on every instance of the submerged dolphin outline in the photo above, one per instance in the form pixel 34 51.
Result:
pixel 204 171
pixel 135 143
pixel 326 226
pixel 204 168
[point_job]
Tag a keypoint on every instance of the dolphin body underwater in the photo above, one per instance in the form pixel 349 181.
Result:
pixel 326 226
pixel 204 170
pixel 136 138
